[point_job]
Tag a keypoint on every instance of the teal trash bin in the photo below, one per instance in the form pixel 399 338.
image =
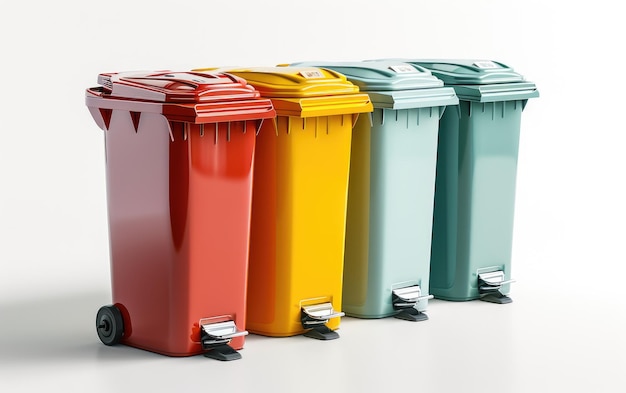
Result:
pixel 391 189
pixel 476 175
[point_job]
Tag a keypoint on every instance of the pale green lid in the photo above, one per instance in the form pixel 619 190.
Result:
pixel 392 84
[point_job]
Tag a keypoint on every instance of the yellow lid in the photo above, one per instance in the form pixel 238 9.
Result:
pixel 304 91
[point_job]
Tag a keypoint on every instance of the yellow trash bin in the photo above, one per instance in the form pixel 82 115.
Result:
pixel 299 200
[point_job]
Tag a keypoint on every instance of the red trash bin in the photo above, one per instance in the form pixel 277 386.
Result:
pixel 179 167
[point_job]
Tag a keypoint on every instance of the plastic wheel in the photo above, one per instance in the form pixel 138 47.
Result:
pixel 110 325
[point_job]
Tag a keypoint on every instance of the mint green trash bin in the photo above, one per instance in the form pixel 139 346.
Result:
pixel 391 189
pixel 476 175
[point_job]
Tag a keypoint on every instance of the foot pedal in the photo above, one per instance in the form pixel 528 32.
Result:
pixel 405 299
pixel 223 352
pixel 322 332
pixel 315 317
pixel 215 338
pixel 489 285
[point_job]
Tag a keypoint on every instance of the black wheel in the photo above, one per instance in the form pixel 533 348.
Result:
pixel 110 325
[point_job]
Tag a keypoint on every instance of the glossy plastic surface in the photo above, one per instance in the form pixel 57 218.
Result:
pixel 476 174
pixel 177 86
pixel 292 82
pixel 392 84
pixel 380 75
pixel 298 221
pixel 299 198
pixel 475 197
pixel 390 203
pixel 392 181
pixel 304 91
pixel 480 80
pixel 179 183
pixel 469 72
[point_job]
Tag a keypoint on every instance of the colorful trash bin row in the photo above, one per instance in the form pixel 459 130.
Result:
pixel 275 199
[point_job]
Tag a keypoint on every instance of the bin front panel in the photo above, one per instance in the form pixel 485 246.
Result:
pixel 298 221
pixel 139 227
pixel 218 221
pixel 171 264
pixel 390 202
pixel 474 196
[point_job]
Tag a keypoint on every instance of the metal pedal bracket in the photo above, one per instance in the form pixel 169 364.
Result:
pixel 405 299
pixel 315 317
pixel 489 285
pixel 215 338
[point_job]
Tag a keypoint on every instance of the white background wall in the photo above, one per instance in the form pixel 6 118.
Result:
pixel 570 212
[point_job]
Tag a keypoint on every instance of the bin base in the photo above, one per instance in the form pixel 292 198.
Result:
pixel 223 353
pixel 411 314
pixel 497 298
pixel 322 333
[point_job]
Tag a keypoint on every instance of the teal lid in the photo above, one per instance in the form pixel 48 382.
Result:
pixel 392 84
pixel 479 80
pixel 469 72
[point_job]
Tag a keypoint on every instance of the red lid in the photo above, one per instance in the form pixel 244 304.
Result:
pixel 196 97
pixel 176 87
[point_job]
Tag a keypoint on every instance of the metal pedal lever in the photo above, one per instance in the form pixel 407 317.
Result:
pixel 405 299
pixel 489 285
pixel 314 317
pixel 215 338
